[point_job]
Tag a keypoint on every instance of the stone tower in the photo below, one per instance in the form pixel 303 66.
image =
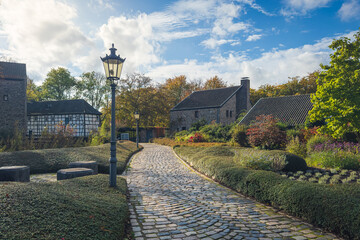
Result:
pixel 12 97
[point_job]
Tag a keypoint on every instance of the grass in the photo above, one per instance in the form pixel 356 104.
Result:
pixel 51 160
pixel 334 207
pixel 80 208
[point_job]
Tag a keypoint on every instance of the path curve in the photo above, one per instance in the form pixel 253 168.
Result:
pixel 169 201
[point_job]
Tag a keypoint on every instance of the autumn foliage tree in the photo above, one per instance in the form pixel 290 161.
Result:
pixel 265 133
pixel 214 82
pixel 294 86
pixel 337 99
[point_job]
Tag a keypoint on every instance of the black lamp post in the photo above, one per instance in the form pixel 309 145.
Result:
pixel 137 116
pixel 113 65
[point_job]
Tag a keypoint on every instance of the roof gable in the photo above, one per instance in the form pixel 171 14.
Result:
pixel 289 109
pixel 12 71
pixel 78 106
pixel 206 99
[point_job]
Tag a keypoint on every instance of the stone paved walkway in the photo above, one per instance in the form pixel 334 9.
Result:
pixel 169 201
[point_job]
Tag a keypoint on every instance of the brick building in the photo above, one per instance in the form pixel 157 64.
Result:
pixel 12 96
pixel 221 105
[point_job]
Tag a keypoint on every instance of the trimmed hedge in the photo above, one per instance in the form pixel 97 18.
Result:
pixel 79 208
pixel 333 207
pixel 272 160
pixel 51 160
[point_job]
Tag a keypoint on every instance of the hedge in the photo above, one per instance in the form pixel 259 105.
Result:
pixel 51 160
pixel 335 208
pixel 80 208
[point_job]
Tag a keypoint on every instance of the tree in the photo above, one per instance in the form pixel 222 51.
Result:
pixel 138 94
pixel 214 82
pixel 294 86
pixel 93 88
pixel 177 88
pixel 58 84
pixel 337 99
pixel 33 92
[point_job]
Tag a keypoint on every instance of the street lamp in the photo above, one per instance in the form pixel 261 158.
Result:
pixel 113 65
pixel 137 116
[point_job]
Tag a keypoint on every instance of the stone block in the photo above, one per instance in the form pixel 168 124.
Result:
pixel 69 173
pixel 15 173
pixel 85 164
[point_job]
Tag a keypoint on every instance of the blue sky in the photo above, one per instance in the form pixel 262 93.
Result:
pixel 268 41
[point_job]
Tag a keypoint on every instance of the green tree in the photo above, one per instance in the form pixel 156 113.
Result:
pixel 33 92
pixel 337 99
pixel 93 88
pixel 58 84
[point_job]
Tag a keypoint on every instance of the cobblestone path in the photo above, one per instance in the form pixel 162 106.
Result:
pixel 169 201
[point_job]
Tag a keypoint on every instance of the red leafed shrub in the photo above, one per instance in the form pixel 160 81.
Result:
pixel 265 133
pixel 196 138
pixel 308 133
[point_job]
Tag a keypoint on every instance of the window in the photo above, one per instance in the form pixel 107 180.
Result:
pixel 196 114
pixel 6 97
pixel 183 128
pixel 227 113
pixel 230 113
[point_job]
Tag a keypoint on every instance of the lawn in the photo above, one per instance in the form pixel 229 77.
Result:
pixel 51 160
pixel 80 208
pixel 334 207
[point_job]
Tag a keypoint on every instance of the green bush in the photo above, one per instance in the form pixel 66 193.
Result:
pixel 330 159
pixel 80 208
pixel 216 132
pixel 238 134
pixel 294 146
pixel 197 125
pixel 274 160
pixel 313 141
pixel 332 207
pixel 51 160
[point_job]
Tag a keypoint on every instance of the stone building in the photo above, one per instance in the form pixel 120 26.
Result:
pixel 221 105
pixel 292 110
pixel 78 114
pixel 12 96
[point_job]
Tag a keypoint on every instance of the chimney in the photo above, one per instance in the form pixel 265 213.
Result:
pixel 245 83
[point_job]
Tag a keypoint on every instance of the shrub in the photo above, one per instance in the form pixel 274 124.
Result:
pixel 274 160
pixel 239 135
pixel 265 133
pixel 197 125
pixel 216 132
pixel 313 141
pixel 330 159
pixel 197 137
pixel 294 146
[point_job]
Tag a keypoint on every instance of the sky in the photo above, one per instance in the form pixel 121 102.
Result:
pixel 266 40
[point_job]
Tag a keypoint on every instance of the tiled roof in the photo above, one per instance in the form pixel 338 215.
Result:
pixel 289 109
pixel 206 98
pixel 61 107
pixel 12 71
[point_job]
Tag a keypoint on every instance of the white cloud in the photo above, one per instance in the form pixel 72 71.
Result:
pixel 254 37
pixel 302 7
pixel 42 34
pixel 271 68
pixel 256 6
pixel 213 43
pixel 349 10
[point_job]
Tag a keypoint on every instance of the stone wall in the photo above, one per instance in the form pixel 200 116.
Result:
pixel 182 120
pixel 230 108
pixel 12 104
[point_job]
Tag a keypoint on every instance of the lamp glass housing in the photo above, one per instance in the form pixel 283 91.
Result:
pixel 136 115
